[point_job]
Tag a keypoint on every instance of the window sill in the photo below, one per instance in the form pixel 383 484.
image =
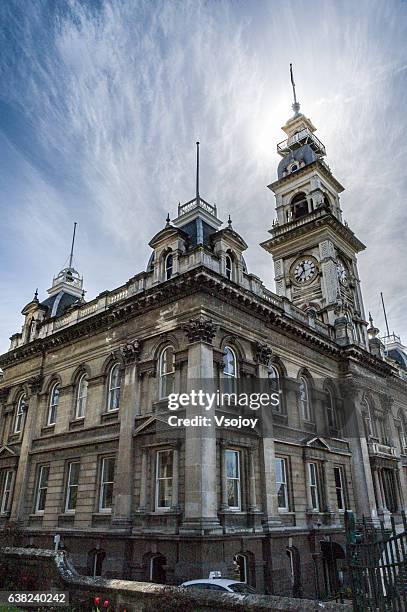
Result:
pixel 15 437
pixel 48 429
pixel 75 423
pixel 66 517
pixel 110 416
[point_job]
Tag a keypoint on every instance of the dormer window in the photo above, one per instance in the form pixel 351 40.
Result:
pixel 168 265
pixel 294 168
pixel 229 267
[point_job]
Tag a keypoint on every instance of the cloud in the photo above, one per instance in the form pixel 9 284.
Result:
pixel 103 102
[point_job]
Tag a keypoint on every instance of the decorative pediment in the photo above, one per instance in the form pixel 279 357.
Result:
pixel 151 424
pixel 317 442
pixel 6 450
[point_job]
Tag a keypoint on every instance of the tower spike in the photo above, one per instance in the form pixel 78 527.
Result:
pixel 73 244
pixel 385 315
pixel 296 104
pixel 197 171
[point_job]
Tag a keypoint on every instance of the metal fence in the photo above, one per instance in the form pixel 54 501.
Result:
pixel 376 555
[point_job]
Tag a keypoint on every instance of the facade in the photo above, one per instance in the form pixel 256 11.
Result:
pixel 85 448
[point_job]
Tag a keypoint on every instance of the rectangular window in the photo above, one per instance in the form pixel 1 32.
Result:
pixel 106 484
pixel 313 486
pixel 7 489
pixel 163 479
pixel 339 486
pixel 233 484
pixel 281 483
pixel 42 487
pixel 72 486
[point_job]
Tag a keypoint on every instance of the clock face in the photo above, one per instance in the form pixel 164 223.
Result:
pixel 342 272
pixel 305 270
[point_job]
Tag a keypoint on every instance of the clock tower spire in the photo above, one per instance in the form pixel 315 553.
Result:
pixel 314 251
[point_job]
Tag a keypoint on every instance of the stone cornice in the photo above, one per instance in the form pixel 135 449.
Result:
pixel 318 218
pixel 204 280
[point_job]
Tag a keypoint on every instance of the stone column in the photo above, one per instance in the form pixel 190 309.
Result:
pixel 175 478
pixel 380 476
pixel 328 502
pixel 378 490
pixel 201 504
pixel 20 486
pixel 143 481
pixel 361 470
pixel 123 488
pixel 253 507
pixel 267 449
pixel 223 478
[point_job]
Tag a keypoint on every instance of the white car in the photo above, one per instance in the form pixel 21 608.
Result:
pixel 220 584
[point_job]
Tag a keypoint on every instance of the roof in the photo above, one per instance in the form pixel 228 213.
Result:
pixel 57 304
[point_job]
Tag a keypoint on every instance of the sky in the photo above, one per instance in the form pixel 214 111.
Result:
pixel 101 102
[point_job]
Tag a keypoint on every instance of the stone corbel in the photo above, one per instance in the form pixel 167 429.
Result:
pixel 200 330
pixel 34 384
pixel 128 353
pixel 262 353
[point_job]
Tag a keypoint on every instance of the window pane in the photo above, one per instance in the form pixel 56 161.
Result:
pixel 164 492
pixel 107 498
pixel 229 362
pixel 165 464
pixel 233 493
pixel 231 464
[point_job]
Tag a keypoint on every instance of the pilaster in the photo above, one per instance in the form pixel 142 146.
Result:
pixel 128 357
pixel 201 504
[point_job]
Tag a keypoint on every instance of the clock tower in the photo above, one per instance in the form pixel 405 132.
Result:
pixel 314 251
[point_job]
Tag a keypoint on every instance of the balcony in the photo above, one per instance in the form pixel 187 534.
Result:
pixel 376 448
pixel 298 140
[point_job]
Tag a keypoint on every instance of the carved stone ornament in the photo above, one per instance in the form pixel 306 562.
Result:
pixel 35 384
pixel 262 353
pixel 129 352
pixel 200 330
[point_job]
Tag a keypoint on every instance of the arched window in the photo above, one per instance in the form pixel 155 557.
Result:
pixel 229 369
pixel 157 569
pixel 113 400
pixel 169 261
pixel 242 566
pixel 369 419
pixel 53 404
pixel 275 384
pixel 95 562
pixel 229 267
pixel 167 372
pixel 402 434
pixel 303 399
pixel 81 396
pixel 21 408
pixel 331 411
pixel 299 206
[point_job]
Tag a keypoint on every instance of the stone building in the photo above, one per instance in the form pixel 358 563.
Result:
pixel 85 447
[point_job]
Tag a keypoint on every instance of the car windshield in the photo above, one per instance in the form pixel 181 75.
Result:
pixel 241 587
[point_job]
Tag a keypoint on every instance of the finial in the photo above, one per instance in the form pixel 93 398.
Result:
pixel 197 170
pixel 73 244
pixel 296 105
pixel 370 319
pixel 83 295
pixel 168 220
pixel 230 222
pixel 36 295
